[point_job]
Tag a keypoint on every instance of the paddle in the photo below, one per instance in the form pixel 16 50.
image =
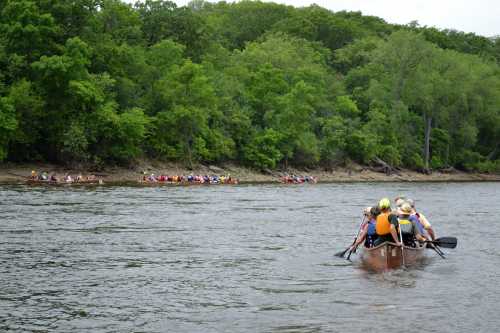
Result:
pixel 402 245
pixel 342 253
pixel 446 242
pixel 353 250
pixel 436 248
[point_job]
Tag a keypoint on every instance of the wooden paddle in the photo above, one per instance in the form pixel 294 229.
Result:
pixel 342 253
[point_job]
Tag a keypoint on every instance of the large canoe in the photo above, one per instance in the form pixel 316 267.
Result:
pixel 388 256
pixel 185 183
pixel 62 182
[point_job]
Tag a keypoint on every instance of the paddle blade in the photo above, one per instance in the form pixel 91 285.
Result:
pixel 446 242
pixel 438 252
pixel 341 254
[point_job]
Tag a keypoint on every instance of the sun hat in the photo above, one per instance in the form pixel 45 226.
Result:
pixel 405 209
pixel 400 202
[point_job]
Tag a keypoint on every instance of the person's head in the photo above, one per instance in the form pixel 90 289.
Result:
pixel 374 212
pixel 384 204
pixel 400 201
pixel 405 209
pixel 411 202
pixel 366 212
pixel 399 197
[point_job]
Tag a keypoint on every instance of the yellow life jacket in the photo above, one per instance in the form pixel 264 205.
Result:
pixel 406 226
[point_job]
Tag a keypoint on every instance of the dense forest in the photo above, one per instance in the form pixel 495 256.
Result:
pixel 103 82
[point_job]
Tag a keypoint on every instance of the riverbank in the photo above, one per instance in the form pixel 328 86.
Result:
pixel 18 173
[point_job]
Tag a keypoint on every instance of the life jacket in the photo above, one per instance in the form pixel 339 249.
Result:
pixel 371 234
pixel 383 227
pixel 406 226
pixel 407 231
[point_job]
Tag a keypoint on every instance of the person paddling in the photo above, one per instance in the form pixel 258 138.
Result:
pixel 368 233
pixel 423 224
pixel 408 226
pixel 386 224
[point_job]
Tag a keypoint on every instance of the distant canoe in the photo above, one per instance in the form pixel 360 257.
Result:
pixel 299 180
pixel 62 182
pixel 185 183
pixel 389 256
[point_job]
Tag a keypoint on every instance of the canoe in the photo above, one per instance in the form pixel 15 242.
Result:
pixel 62 182
pixel 389 256
pixel 185 183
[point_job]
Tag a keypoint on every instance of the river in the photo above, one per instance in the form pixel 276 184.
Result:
pixel 247 258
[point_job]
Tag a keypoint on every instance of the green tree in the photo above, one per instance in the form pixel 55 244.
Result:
pixel 262 151
pixel 182 130
pixel 8 125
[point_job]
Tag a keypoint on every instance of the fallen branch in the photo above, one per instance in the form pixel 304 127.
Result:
pixel 384 167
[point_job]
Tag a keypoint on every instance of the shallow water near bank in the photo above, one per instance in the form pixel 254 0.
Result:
pixel 248 258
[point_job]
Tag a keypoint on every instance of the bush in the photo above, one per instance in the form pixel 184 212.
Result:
pixel 437 163
pixel 262 152
pixel 414 161
pixel 390 154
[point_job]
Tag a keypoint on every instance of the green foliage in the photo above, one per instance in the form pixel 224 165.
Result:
pixel 131 132
pixel 28 107
pixel 361 146
pixel 75 144
pixel 262 151
pixel 264 84
pixel 8 125
pixel 119 21
pixel 28 32
pixel 235 24
pixel 334 134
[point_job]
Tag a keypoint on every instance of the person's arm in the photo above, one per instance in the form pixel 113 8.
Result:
pixel 361 237
pixel 431 233
pixel 427 226
pixel 393 220
pixel 417 233
pixel 394 235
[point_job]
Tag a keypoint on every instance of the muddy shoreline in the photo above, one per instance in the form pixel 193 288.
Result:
pixel 18 173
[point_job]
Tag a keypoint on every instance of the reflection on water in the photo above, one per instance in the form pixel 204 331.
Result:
pixel 238 259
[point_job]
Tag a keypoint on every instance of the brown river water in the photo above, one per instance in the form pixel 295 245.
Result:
pixel 247 258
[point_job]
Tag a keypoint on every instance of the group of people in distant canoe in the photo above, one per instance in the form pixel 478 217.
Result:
pixel 294 179
pixel 402 225
pixel 67 178
pixel 190 179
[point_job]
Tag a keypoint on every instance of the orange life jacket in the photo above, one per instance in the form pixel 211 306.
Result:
pixel 383 227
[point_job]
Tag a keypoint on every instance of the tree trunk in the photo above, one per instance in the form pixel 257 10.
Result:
pixel 427 144
pixel 190 152
pixel 494 153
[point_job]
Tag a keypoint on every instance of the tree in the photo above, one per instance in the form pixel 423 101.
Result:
pixel 27 34
pixel 28 106
pixel 262 151
pixel 8 125
pixel 186 128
